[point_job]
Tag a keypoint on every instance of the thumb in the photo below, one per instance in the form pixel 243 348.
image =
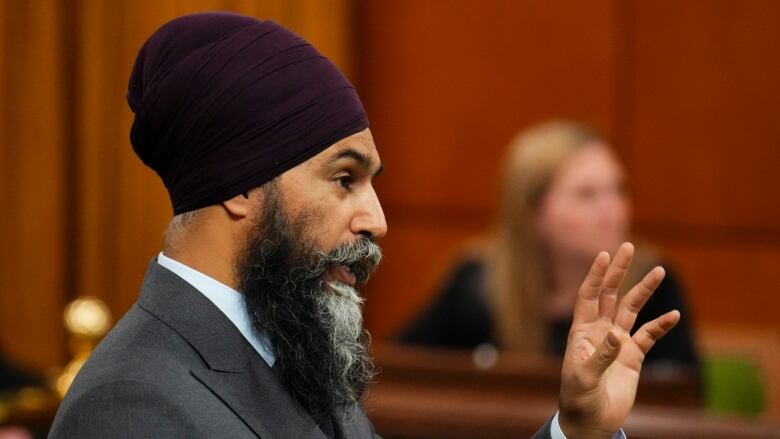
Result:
pixel 606 353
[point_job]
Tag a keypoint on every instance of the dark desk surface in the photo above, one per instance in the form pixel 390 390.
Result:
pixel 437 394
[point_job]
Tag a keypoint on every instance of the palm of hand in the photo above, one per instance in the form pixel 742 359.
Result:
pixel 603 361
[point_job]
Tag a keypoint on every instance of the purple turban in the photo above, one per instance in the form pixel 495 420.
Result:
pixel 224 103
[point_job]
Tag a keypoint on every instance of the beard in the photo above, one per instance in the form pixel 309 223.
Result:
pixel 315 326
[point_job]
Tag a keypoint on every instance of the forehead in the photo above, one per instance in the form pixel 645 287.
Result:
pixel 358 144
pixel 592 161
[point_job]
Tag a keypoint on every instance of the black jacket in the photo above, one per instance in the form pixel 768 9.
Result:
pixel 461 317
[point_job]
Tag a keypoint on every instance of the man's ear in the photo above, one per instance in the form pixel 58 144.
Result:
pixel 239 206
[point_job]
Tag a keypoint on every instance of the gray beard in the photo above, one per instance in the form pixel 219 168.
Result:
pixel 315 329
pixel 342 313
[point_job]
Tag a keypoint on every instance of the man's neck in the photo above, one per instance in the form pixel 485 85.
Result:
pixel 207 245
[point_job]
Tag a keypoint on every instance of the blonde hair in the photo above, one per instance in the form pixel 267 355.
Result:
pixel 517 274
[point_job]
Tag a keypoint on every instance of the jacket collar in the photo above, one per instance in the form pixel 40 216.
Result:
pixel 232 369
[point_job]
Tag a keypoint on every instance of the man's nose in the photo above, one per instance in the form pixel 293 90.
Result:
pixel 370 218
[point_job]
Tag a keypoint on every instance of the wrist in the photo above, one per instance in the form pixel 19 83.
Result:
pixel 574 427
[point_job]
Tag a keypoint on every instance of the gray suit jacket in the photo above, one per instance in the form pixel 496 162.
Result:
pixel 176 366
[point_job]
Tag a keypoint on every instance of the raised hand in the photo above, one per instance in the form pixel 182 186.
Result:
pixel 603 360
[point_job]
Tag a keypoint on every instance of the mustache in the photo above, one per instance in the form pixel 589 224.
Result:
pixel 361 257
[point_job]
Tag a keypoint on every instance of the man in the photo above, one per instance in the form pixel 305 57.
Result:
pixel 249 322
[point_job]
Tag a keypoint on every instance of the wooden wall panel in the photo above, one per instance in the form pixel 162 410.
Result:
pixel 686 91
pixel 447 85
pixel 34 267
pixel 729 284
pixel 704 150
pixel 705 126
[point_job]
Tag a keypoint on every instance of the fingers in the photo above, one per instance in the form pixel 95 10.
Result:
pixel 637 297
pixel 598 293
pixel 612 280
pixel 605 355
pixel 653 330
pixel 587 307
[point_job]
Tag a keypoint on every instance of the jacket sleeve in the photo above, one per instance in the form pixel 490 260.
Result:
pixel 544 432
pixel 124 409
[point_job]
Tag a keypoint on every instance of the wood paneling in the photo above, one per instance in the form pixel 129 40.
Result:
pixel 447 84
pixel 705 127
pixel 704 151
pixel 33 166
pixel 729 283
pixel 686 90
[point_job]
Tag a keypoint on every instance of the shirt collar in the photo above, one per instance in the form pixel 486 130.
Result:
pixel 228 300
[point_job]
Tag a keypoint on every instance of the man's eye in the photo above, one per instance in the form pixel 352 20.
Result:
pixel 345 181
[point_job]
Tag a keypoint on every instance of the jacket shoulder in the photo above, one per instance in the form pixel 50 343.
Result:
pixel 123 408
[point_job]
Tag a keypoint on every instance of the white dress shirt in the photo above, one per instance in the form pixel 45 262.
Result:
pixel 231 303
pixel 228 300
pixel 557 433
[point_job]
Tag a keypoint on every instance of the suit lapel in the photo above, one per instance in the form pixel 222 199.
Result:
pixel 358 427
pixel 264 406
pixel 231 368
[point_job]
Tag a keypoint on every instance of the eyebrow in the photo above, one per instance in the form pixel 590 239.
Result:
pixel 362 160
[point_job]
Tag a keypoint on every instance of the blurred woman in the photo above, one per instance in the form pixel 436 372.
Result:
pixel 564 199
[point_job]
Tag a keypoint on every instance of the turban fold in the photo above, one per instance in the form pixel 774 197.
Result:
pixel 224 103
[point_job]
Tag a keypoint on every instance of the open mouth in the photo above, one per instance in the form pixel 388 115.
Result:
pixel 343 274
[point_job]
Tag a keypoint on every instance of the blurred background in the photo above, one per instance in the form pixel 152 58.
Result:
pixel 685 92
